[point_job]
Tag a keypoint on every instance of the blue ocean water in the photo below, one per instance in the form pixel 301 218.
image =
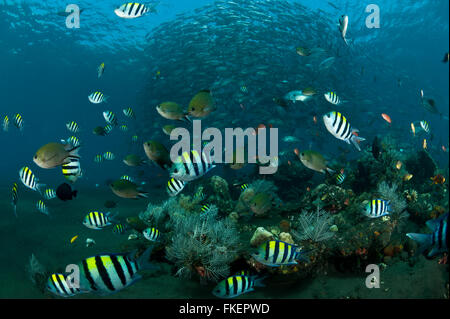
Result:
pixel 48 71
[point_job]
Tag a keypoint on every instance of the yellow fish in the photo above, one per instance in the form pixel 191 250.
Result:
pixel 202 104
pixel 101 69
pixel 399 165
pixel 413 129
pixel 407 177
pixel 73 239
pixel 424 145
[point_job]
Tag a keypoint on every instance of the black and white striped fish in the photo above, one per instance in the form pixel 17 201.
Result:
pixel 97 97
pixel 340 178
pixel 110 117
pixel 41 207
pixel 98 220
pixel 438 240
pixel 340 128
pixel 108 128
pixel 424 125
pixel 132 10
pixel 174 187
pixel 126 177
pixel 152 234
pixel 15 197
pixel 59 284
pixel 73 127
pixel 275 253
pixel 98 158
pixel 236 285
pixel 123 128
pixel 108 273
pixel 333 98
pixel 119 229
pixel 109 156
pixel 29 180
pixel 377 208
pixel 72 140
pixel 191 166
pixel 6 123
pixel 206 210
pixel 72 170
pixel 18 121
pixel 49 193
pixel 129 112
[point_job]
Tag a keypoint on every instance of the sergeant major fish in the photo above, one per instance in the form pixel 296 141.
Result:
pixel 438 240
pixel 174 187
pixel 236 285
pixel 133 10
pixel 60 285
pixel 108 273
pixel 98 220
pixel 191 166
pixel 275 253
pixel 377 208
pixel 29 180
pixel 97 97
pixel 340 128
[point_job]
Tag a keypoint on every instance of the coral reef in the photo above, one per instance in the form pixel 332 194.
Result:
pixel 205 247
pixel 389 192
pixel 422 166
pixel 259 199
pixel 37 273
pixel 220 194
pixel 261 235
pixel 314 226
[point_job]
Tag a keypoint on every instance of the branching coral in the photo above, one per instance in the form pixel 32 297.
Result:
pixel 204 246
pixel 314 226
pixel 397 202
pixel 37 273
pixel 162 215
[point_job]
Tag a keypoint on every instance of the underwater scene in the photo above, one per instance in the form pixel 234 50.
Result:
pixel 229 149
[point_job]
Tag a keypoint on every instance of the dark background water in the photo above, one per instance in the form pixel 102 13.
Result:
pixel 47 72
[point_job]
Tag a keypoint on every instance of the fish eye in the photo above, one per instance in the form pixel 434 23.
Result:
pixel 303 154
pixel 35 156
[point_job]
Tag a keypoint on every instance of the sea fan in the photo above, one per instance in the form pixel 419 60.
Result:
pixel 397 202
pixel 314 226
pixel 204 246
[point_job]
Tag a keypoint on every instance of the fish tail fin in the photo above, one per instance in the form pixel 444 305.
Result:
pixel 74 152
pixel 144 260
pixel 258 281
pixel 424 240
pixel 388 207
pixel 143 194
pixel 112 217
pixel 186 118
pixel 39 188
pixel 329 170
pixel 302 255
pixel 15 211
pixel 356 140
